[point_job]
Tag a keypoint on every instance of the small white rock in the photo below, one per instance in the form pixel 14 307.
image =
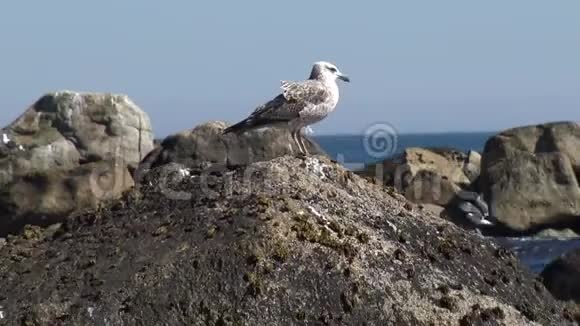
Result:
pixel 5 139
pixel 184 172
pixel 321 218
pixel 314 211
pixel 315 167
pixel 392 226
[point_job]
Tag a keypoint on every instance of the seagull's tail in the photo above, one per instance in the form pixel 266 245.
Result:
pixel 238 127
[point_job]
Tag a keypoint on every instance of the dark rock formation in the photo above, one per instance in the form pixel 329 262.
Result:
pixel 69 151
pixel 288 241
pixel 562 276
pixel 530 176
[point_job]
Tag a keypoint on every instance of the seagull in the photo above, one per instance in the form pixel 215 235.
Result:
pixel 474 214
pixel 301 104
pixel 474 208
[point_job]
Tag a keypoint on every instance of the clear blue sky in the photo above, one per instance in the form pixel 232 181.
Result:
pixel 420 65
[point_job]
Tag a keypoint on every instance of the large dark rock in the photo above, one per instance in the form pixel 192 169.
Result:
pixel 562 276
pixel 530 176
pixel 288 241
pixel 206 145
pixel 69 151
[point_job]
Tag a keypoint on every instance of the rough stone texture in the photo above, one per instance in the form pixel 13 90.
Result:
pixel 529 176
pixel 430 176
pixel 472 166
pixel 67 151
pixel 289 241
pixel 205 144
pixel 44 198
pixel 562 276
pixel 559 234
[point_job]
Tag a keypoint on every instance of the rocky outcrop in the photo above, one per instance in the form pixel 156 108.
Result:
pixel 530 176
pixel 206 145
pixel 429 176
pixel 287 241
pixel 69 151
pixel 562 276
pixel 472 166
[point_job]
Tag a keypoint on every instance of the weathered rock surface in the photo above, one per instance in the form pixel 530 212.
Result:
pixel 562 276
pixel 206 144
pixel 429 176
pixel 530 176
pixel 557 234
pixel 69 151
pixel 288 241
pixel 472 166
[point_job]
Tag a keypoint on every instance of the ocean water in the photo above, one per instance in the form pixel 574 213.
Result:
pixel 356 150
pixel 537 253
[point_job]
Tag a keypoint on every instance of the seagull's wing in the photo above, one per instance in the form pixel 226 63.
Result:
pixel 295 97
pixel 310 91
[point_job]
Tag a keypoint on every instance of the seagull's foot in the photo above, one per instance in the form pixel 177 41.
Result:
pixel 302 145
pixel 301 155
pixel 300 152
pixel 297 143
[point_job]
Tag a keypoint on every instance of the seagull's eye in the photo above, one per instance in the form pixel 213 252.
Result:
pixel 332 69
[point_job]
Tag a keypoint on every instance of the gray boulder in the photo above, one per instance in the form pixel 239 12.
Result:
pixel 472 166
pixel 530 176
pixel 206 145
pixel 66 152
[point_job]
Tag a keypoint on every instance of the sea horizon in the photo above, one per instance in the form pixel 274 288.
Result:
pixel 354 151
pixel 408 133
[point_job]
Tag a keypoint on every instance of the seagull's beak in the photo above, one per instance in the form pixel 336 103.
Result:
pixel 343 77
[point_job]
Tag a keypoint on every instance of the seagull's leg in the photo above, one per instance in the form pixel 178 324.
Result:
pixel 295 139
pixel 300 138
pixel 302 142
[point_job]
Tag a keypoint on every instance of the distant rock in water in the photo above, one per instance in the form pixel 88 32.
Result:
pixel 427 175
pixel 530 176
pixel 280 242
pixel 69 151
pixel 435 176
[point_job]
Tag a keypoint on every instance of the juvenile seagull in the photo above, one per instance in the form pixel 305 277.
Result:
pixel 301 104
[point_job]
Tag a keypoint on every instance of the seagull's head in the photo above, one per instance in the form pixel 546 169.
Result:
pixel 323 70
